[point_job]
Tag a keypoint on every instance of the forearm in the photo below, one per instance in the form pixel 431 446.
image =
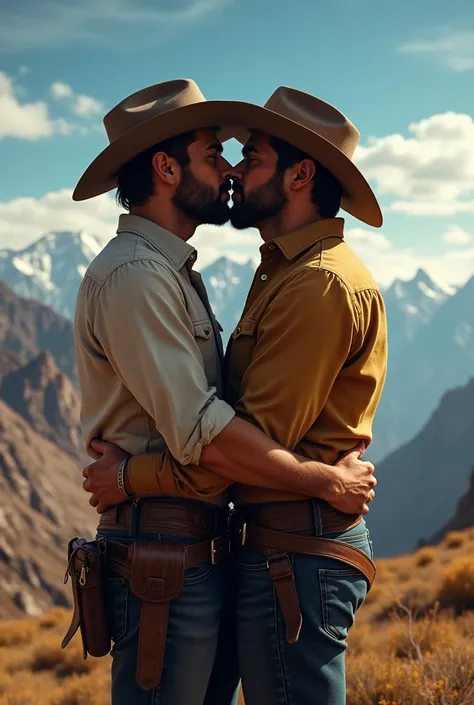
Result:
pixel 242 453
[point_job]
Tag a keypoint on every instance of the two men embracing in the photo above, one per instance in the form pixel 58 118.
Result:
pixel 231 488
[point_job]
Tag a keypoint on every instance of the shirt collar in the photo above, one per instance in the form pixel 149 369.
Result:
pixel 177 251
pixel 294 243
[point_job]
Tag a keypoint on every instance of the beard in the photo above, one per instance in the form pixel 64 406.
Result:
pixel 198 200
pixel 264 202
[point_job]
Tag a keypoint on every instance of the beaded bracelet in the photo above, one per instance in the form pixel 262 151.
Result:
pixel 121 478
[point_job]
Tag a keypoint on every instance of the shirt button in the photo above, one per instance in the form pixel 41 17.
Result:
pixel 207 331
pixel 271 247
pixel 263 277
pixel 238 329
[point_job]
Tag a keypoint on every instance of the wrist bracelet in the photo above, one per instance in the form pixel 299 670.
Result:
pixel 121 478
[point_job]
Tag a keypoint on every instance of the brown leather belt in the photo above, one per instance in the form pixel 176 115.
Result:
pixel 155 570
pixel 299 517
pixel 287 536
pixel 195 521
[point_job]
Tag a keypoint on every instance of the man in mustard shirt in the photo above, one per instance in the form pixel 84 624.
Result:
pixel 149 364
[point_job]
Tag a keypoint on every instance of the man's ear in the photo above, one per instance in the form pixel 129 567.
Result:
pixel 166 168
pixel 304 173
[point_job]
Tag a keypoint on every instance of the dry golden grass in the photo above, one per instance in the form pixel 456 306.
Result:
pixel 412 644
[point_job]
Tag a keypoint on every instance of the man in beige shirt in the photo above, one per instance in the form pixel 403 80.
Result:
pixel 149 364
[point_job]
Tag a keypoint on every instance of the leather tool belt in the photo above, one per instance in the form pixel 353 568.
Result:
pixel 154 569
pixel 290 532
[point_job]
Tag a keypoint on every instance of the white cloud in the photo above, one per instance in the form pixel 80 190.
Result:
pixel 61 90
pixel 431 171
pixel 29 121
pixel 55 23
pixel 81 105
pixel 23 220
pixel 387 262
pixel 456 236
pixel 20 119
pixel 453 48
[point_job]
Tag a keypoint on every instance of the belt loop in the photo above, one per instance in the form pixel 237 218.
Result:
pixel 133 528
pixel 318 524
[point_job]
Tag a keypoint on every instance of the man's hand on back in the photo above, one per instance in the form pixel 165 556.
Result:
pixel 101 476
pixel 350 483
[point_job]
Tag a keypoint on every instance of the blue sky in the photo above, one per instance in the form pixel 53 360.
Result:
pixel 402 71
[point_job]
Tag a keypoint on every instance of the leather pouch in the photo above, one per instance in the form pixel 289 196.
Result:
pixel 86 570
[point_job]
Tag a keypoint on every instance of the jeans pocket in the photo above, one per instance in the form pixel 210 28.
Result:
pixel 342 593
pixel 198 573
pixel 116 605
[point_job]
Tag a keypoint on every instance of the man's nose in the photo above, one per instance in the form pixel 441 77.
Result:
pixel 234 172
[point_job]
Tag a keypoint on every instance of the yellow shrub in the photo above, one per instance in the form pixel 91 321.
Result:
pixel 457 587
pixel 48 655
pixel 55 618
pixel 5 682
pixel 455 539
pixel 425 556
pixel 82 690
pixel 17 632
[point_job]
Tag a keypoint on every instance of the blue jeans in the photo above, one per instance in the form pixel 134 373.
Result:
pixel 193 630
pixel 312 670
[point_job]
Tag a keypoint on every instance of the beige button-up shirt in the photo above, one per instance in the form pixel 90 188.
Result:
pixel 148 347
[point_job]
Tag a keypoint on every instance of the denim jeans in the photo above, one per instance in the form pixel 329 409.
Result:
pixel 312 670
pixel 193 630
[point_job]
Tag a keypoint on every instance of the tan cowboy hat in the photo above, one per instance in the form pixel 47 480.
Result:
pixel 145 118
pixel 321 131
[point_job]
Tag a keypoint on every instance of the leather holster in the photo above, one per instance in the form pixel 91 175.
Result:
pixel 157 577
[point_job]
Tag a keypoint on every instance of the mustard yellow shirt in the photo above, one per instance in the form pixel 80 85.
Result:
pixel 307 361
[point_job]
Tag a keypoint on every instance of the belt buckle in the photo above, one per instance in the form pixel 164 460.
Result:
pixel 243 534
pixel 213 552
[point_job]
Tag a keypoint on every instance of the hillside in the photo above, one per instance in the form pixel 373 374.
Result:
pixel 412 643
pixel 420 484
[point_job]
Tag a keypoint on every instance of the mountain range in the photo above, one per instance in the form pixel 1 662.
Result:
pixel 429 325
pixel 422 444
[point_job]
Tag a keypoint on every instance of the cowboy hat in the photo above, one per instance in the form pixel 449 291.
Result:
pixel 145 118
pixel 322 132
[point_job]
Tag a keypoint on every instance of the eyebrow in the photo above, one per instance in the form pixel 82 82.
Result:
pixel 215 147
pixel 248 149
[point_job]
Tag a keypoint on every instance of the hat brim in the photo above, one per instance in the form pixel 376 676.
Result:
pixel 235 119
pixel 358 198
pixel 100 175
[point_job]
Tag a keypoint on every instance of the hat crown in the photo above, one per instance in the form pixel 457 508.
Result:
pixel 150 102
pixel 316 115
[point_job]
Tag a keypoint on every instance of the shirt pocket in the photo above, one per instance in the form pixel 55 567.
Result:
pixel 204 336
pixel 244 340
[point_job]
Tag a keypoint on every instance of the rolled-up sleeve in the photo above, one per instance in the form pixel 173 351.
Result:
pixel 144 328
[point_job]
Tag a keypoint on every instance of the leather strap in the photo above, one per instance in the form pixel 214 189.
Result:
pixel 281 573
pixel 172 518
pixel 264 539
pixel 276 545
pixel 156 577
pixel 155 570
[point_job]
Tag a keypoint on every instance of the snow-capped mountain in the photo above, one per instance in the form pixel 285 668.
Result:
pixel 50 269
pixel 411 304
pixel 227 283
pixel 438 358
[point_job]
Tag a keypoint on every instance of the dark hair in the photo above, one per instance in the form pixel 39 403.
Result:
pixel 135 178
pixel 326 192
